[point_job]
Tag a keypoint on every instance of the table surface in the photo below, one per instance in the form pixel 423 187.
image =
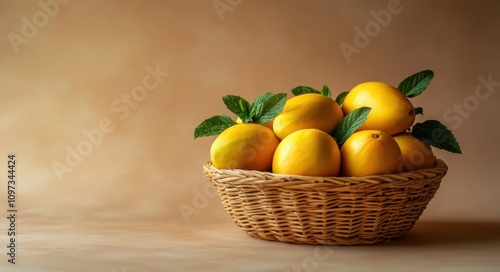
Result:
pixel 100 245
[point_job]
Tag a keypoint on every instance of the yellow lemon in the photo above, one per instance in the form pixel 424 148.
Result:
pixel 391 111
pixel 308 152
pixel 308 111
pixel 415 153
pixel 244 146
pixel 267 124
pixel 370 152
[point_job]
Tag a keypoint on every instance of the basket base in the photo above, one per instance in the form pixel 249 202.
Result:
pixel 325 210
pixel 353 241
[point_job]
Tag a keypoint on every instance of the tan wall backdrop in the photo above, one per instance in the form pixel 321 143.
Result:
pixel 124 83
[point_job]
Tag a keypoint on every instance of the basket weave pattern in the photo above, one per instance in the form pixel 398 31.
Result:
pixel 325 210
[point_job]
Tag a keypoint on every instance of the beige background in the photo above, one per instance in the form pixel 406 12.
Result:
pixel 72 69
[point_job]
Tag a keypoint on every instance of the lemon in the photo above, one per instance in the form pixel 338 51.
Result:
pixel 370 152
pixel 244 146
pixel 308 111
pixel 391 111
pixel 308 152
pixel 415 153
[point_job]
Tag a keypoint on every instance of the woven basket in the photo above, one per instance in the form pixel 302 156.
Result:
pixel 325 210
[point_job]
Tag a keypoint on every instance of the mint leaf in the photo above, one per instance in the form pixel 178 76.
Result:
pixel 303 90
pixel 437 135
pixel 326 91
pixel 415 84
pixel 237 105
pixel 350 123
pixel 419 110
pixel 257 105
pixel 271 107
pixel 213 126
pixel 245 111
pixel 340 98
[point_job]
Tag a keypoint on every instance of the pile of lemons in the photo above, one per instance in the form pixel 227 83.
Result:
pixel 303 138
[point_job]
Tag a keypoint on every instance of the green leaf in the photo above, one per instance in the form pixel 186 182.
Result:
pixel 350 123
pixel 245 110
pixel 257 105
pixel 419 110
pixel 213 126
pixel 340 98
pixel 415 84
pixel 271 107
pixel 237 105
pixel 326 91
pixel 437 135
pixel 303 90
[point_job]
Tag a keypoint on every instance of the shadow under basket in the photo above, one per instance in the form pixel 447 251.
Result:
pixel 325 210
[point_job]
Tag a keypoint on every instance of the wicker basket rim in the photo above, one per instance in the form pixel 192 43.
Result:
pixel 253 177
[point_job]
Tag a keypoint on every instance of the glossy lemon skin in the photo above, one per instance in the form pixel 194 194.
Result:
pixel 307 111
pixel 391 111
pixel 415 153
pixel 307 152
pixel 244 146
pixel 370 152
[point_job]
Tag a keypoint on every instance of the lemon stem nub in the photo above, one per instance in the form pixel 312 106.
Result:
pixel 376 136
